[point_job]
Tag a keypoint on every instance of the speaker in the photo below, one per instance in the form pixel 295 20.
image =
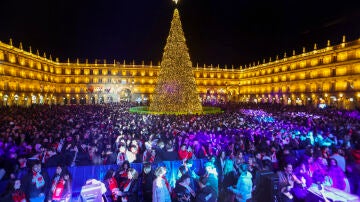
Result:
pixel 267 183
pixel 272 187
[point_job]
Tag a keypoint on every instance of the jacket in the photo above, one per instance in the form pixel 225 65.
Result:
pixel 243 187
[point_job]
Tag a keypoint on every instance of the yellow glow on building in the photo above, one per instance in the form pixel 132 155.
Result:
pixel 292 77
pixel 342 56
pixel 331 70
pixel 314 62
pixel 2 55
pixel 342 70
pixel 22 61
pixel 293 66
pixel 38 65
pixel 313 74
pixel 325 72
pixel 12 58
pixel 326 87
pixel 303 64
pixel 114 72
pixel 327 59
pixel 340 85
pixel 357 53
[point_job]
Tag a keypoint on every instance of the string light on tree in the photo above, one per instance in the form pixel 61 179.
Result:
pixel 175 91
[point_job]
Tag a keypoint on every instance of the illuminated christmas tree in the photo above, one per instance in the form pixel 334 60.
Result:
pixel 175 91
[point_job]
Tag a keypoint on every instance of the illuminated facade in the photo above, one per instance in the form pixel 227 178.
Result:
pixel 330 75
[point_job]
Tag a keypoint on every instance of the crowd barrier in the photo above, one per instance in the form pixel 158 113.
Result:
pixel 81 174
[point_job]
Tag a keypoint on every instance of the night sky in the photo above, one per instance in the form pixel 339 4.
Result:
pixel 217 31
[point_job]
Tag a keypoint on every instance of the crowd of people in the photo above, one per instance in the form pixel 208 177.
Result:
pixel 240 142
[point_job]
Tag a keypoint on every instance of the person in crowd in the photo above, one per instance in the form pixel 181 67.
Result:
pixel 302 172
pixel 112 188
pixel 338 156
pixel 147 178
pixel 184 152
pixel 287 179
pixel 40 132
pixel 205 192
pixel 274 158
pixel 36 183
pixel 252 167
pixel 319 182
pixel 319 163
pixel 22 169
pixel 109 157
pixel 181 171
pixel 229 180
pixel 199 150
pixel 169 154
pixel 122 172
pixel 337 176
pixel 219 164
pixel 129 189
pixel 61 189
pixel 149 153
pixel 212 177
pixel 187 168
pixel 121 157
pixel 182 191
pixel 243 188
pixel 259 161
pixel 161 188
pixel 132 153
pixel 354 165
pixel 60 184
pixel 238 160
pixel 288 157
pixel 14 193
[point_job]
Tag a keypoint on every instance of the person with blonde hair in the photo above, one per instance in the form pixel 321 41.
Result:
pixel 129 188
pixel 161 187
pixel 229 180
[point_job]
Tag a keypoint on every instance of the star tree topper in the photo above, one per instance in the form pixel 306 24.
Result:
pixel 176 1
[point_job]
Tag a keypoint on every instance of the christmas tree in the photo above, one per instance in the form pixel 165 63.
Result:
pixel 175 91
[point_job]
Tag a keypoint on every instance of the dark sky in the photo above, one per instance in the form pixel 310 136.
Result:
pixel 217 31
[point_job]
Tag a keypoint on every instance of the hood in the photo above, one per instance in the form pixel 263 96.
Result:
pixel 247 176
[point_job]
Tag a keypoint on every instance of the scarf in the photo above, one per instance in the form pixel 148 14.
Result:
pixel 54 183
pixel 18 196
pixel 204 150
pixel 38 180
pixel 148 157
pixel 58 190
pixel 167 184
pixel 113 187
pixel 125 186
